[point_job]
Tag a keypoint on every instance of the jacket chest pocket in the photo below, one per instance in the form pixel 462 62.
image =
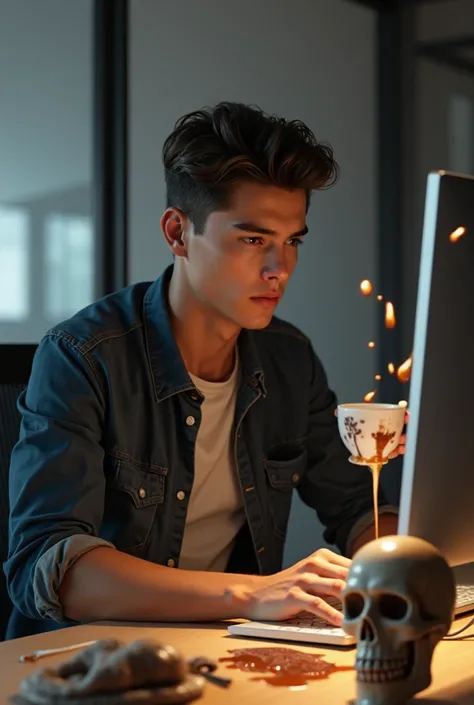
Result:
pixel 284 470
pixel 134 494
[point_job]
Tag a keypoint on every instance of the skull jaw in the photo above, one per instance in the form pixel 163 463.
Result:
pixel 397 691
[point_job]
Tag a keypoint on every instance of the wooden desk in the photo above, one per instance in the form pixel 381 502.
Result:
pixel 453 670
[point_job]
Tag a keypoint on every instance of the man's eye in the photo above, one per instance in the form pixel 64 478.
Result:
pixel 295 242
pixel 251 240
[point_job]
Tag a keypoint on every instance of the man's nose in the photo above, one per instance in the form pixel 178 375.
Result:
pixel 275 267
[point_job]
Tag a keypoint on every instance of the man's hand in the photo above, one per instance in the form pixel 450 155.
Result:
pixel 300 587
pixel 400 450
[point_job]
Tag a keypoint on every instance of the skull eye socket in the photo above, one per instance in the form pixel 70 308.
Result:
pixel 393 607
pixel 353 605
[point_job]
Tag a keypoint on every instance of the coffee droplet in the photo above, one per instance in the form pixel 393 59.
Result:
pixel 368 397
pixel 391 368
pixel 457 234
pixel 390 320
pixel 371 344
pixel 404 371
pixel 366 287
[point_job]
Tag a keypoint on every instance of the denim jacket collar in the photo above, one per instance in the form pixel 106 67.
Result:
pixel 168 371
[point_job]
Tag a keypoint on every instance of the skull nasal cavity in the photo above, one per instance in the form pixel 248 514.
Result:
pixel 366 632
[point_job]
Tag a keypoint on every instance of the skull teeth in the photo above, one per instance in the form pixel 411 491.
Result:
pixel 381 670
pixel 380 676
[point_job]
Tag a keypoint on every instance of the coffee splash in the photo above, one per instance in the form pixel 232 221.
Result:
pixel 390 319
pixel 281 666
pixel 382 439
pixel 457 234
pixel 404 371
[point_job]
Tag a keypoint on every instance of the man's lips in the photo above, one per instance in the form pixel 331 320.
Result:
pixel 268 299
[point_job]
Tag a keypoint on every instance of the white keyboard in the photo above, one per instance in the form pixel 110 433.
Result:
pixel 464 596
pixel 303 627
pixel 314 630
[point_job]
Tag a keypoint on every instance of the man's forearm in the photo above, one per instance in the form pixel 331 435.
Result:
pixel 105 584
pixel 388 526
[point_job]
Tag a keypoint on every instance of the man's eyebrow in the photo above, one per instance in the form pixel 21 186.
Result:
pixel 254 228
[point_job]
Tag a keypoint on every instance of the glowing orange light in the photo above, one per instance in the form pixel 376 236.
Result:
pixel 391 368
pixel 390 320
pixel 457 234
pixel 378 377
pixel 368 397
pixel 371 344
pixel 404 371
pixel 380 297
pixel 366 287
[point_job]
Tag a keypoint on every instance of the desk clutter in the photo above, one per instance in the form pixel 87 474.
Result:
pixel 113 673
pixel 398 604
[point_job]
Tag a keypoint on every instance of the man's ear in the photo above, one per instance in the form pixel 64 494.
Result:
pixel 174 226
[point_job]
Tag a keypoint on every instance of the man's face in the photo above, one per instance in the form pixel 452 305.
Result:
pixel 240 265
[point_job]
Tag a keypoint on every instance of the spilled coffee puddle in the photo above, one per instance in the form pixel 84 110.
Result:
pixel 282 666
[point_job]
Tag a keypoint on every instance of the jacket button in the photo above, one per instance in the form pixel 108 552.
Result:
pixel 190 420
pixel 295 477
pixel 142 492
pixel 170 563
pixel 180 495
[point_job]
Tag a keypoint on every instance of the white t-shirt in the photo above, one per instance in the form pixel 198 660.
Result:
pixel 215 512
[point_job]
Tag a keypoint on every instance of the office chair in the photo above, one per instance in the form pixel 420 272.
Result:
pixel 15 368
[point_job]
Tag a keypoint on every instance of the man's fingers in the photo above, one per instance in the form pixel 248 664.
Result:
pixel 316 605
pixel 332 557
pixel 338 559
pixel 324 569
pixel 315 585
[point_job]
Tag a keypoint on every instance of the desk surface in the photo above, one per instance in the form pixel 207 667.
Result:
pixel 453 667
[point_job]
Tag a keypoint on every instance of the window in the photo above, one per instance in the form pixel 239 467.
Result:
pixel 69 265
pixel 14 259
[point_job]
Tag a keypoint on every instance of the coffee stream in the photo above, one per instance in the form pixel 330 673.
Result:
pixel 376 468
pixel 382 438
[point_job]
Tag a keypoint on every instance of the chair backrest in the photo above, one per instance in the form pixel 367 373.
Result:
pixel 15 368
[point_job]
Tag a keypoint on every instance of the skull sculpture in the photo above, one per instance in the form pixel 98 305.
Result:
pixel 398 603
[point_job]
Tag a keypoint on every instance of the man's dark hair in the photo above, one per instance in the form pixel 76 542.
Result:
pixel 211 150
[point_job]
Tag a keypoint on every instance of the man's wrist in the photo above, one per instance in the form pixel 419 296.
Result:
pixel 240 597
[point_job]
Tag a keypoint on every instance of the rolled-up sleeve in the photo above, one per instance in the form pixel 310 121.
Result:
pixel 51 568
pixel 57 482
pixel 340 492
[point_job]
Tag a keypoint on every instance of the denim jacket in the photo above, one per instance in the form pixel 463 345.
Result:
pixel 109 424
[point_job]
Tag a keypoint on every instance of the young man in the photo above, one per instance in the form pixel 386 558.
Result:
pixel 166 426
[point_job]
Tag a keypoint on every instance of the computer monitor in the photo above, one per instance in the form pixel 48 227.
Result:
pixel 437 492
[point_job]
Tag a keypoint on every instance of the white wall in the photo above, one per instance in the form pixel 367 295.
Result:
pixel 307 59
